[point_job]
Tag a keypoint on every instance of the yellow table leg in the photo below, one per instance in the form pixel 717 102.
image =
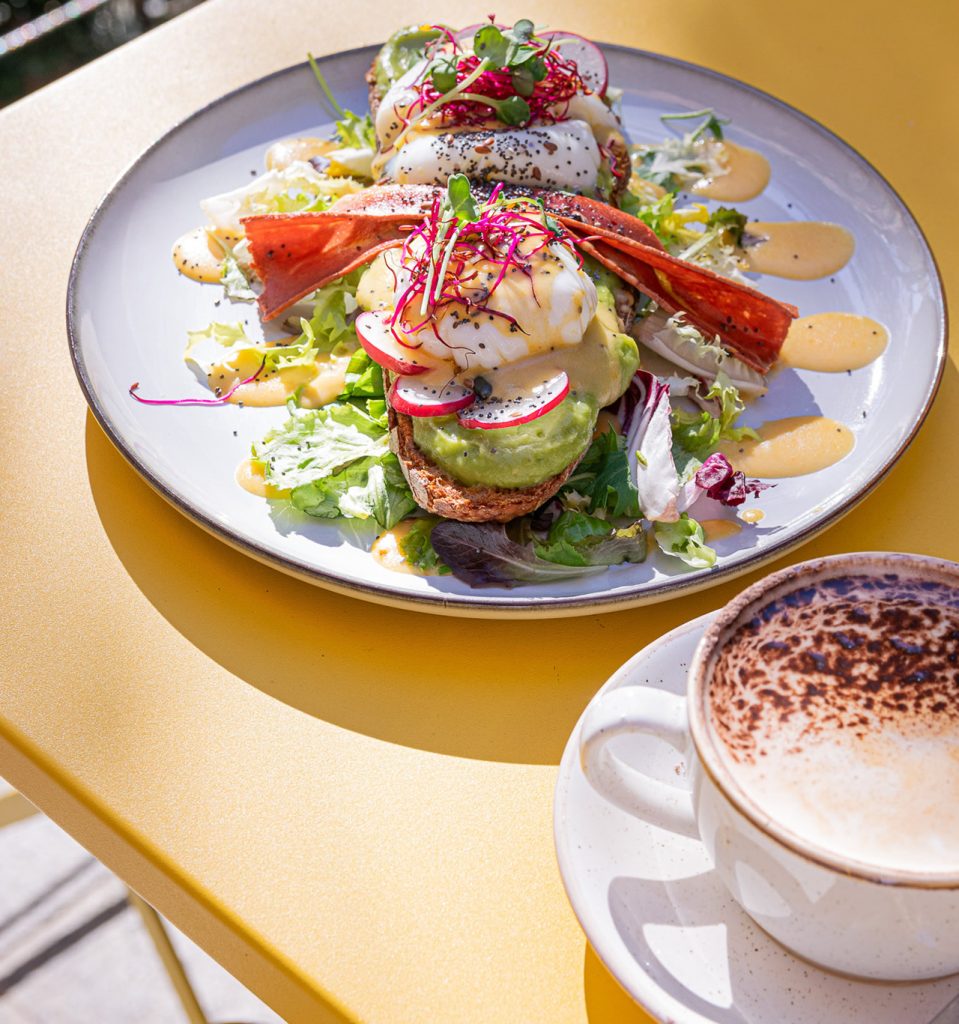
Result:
pixel 171 962
pixel 14 807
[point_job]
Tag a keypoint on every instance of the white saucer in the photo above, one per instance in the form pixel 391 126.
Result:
pixel 660 919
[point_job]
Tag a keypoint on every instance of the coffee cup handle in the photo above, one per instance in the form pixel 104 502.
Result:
pixel 638 709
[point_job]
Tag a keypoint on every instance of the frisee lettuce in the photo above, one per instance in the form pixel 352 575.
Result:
pixel 236 285
pixel 708 238
pixel 220 347
pixel 330 328
pixel 296 188
pixel 699 433
pixel 684 345
pixel 678 163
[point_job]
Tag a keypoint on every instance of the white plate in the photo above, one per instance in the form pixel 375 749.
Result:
pixel 661 920
pixel 128 313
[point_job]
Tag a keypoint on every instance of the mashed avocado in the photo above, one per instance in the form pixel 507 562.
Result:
pixel 600 369
pixel 400 52
pixel 510 456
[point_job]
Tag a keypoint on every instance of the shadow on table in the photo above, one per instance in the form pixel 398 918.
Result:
pixel 606 1001
pixel 493 690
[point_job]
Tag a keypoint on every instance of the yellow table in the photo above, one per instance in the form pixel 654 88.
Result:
pixel 356 834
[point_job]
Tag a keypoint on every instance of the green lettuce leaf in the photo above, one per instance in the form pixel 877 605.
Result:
pixel 316 443
pixel 580 539
pixel 483 555
pixel 219 345
pixel 336 462
pixel 685 540
pixel 236 285
pixel 603 478
pixel 371 488
pixel 364 383
pixel 699 433
pixel 417 548
pixel 330 328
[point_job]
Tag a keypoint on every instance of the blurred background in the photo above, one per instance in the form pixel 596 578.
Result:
pixel 40 40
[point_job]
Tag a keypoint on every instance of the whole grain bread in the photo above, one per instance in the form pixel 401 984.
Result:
pixel 440 494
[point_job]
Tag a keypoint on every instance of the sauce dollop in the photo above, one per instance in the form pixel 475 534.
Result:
pixel 793 446
pixel 747 174
pixel 386 551
pixel 833 342
pixel 719 529
pixel 801 250
pixel 198 256
pixel 249 475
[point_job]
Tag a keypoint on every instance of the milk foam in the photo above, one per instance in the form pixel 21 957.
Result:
pixel 837 711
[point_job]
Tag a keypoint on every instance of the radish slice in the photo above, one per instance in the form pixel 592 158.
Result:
pixel 432 394
pixel 373 330
pixel 516 398
pixel 588 56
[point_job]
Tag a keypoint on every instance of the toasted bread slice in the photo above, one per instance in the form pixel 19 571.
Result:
pixel 440 494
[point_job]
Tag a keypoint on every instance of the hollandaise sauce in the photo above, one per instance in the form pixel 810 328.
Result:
pixel 250 476
pixel 746 175
pixel 198 256
pixel 833 342
pixel 719 529
pixel 801 250
pixel 387 551
pixel 789 447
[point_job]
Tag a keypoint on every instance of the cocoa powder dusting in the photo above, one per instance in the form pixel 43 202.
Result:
pixel 855 653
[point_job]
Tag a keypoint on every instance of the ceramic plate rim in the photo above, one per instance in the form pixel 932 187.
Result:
pixel 498 606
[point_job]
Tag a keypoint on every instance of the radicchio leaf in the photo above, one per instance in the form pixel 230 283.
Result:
pixel 721 482
pixel 482 555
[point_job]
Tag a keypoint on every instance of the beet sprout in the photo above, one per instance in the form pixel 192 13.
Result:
pixel 440 257
pixel 488 86
pixel 196 401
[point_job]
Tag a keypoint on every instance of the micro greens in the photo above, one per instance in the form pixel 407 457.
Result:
pixel 515 77
pixel 713 123
pixel 442 255
pixel 352 129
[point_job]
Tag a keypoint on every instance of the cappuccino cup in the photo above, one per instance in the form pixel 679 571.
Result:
pixel 820 738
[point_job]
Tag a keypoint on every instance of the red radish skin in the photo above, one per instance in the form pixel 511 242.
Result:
pixel 494 413
pixel 588 56
pixel 435 394
pixel 373 330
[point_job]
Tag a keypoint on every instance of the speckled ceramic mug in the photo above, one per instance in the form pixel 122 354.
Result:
pixel 820 734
